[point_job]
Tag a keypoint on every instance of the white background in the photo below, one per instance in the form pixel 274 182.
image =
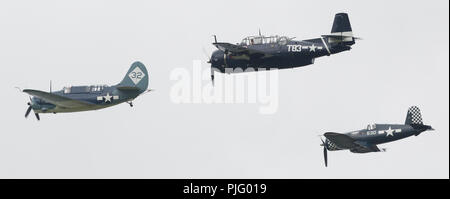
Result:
pixel 402 61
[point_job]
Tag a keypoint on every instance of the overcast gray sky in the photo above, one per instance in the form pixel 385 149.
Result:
pixel 403 60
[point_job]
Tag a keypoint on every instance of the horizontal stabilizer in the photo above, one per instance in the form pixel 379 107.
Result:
pixel 364 147
pixel 128 88
pixel 339 38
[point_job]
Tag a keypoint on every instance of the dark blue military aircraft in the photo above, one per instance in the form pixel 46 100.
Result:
pixel 86 98
pixel 280 52
pixel 366 140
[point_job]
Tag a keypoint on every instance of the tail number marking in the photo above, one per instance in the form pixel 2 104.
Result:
pixel 136 75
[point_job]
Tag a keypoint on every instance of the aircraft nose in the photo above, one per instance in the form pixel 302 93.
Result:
pixel 217 60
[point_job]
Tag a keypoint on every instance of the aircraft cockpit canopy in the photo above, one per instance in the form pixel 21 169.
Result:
pixel 255 40
pixel 98 88
pixel 371 127
pixel 83 89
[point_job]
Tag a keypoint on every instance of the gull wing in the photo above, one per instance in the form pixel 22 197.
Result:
pixel 344 141
pixel 340 140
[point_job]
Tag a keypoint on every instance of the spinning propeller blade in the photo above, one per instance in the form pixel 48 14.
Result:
pixel 212 76
pixel 28 110
pixel 325 155
pixel 325 151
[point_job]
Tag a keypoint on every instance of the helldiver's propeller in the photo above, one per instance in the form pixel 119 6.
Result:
pixel 325 156
pixel 29 110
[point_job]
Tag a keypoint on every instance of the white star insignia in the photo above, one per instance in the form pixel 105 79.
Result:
pixel 312 48
pixel 389 132
pixel 108 97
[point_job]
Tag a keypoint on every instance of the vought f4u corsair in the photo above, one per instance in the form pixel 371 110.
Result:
pixel 85 98
pixel 366 140
pixel 280 52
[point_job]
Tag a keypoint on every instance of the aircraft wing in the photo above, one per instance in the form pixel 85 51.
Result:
pixel 241 50
pixel 364 147
pixel 57 99
pixel 346 142
pixel 341 140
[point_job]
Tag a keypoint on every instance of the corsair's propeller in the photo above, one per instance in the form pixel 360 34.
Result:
pixel 325 156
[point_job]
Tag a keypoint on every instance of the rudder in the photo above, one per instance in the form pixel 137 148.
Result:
pixel 136 78
pixel 341 37
pixel 341 24
pixel 413 116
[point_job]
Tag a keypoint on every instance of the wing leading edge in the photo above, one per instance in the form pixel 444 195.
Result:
pixel 346 142
pixel 57 99
pixel 240 50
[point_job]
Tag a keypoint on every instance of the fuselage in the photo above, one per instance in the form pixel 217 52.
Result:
pixel 376 134
pixel 96 97
pixel 283 54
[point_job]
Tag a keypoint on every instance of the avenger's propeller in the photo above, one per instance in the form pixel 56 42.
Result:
pixel 324 144
pixel 209 61
pixel 212 75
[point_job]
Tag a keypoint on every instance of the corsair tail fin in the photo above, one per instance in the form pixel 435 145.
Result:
pixel 135 79
pixel 413 116
pixel 414 119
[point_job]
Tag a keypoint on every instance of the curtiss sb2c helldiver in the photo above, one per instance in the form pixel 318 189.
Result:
pixel 280 52
pixel 86 98
pixel 366 140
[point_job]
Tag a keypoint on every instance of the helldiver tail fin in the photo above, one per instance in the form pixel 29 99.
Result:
pixel 135 79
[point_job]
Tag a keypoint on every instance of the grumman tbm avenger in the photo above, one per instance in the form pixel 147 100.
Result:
pixel 366 140
pixel 86 98
pixel 280 52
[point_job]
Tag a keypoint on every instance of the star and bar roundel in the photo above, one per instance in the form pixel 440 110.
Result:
pixel 107 98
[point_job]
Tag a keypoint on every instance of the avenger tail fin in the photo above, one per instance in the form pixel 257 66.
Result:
pixel 341 32
pixel 135 79
pixel 341 25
